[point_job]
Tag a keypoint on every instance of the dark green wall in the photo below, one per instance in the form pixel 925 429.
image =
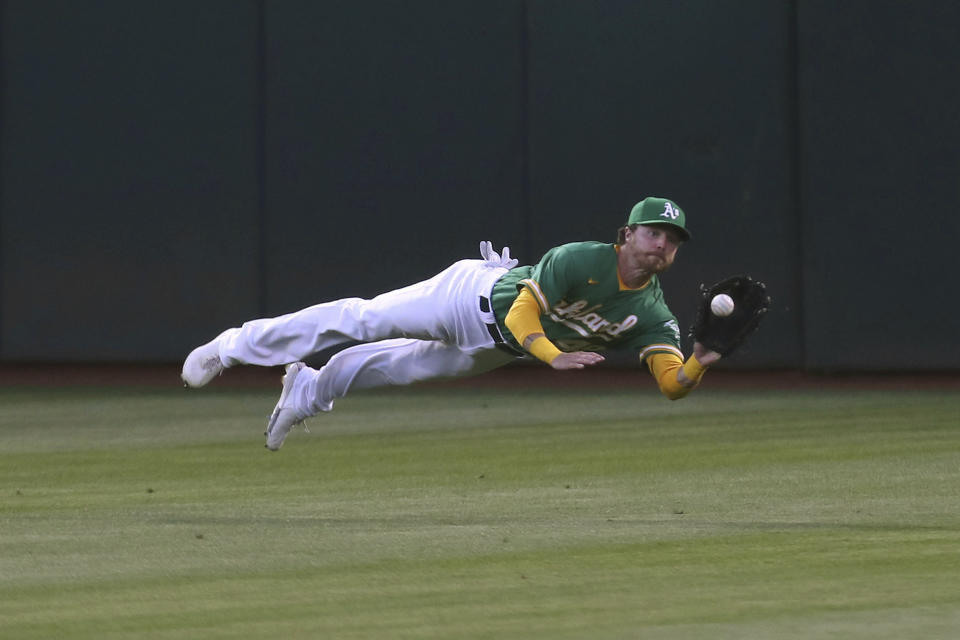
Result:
pixel 170 168
pixel 129 175
pixel 880 169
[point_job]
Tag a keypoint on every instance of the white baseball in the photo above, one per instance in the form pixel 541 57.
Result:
pixel 721 305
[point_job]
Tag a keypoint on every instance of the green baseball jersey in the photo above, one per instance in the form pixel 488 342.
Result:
pixel 583 307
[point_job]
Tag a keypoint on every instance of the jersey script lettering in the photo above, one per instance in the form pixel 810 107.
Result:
pixel 587 321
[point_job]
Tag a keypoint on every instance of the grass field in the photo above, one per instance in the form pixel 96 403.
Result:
pixel 450 513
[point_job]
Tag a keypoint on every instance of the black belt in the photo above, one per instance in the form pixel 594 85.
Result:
pixel 494 331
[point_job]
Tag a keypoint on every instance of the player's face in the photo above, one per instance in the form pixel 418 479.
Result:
pixel 653 246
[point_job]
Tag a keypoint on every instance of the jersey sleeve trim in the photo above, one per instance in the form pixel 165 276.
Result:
pixel 660 348
pixel 534 288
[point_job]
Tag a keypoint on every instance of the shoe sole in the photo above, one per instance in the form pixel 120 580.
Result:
pixel 294 368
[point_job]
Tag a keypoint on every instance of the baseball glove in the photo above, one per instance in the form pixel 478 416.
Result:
pixel 724 334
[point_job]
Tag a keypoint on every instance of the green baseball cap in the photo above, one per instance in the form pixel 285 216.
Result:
pixel 660 211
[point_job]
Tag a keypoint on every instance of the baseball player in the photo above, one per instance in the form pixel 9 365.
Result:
pixel 581 299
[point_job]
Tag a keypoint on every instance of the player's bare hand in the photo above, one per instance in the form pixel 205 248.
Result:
pixel 575 360
pixel 704 356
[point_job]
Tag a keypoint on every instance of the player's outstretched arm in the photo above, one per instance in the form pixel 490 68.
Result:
pixel 705 356
pixel 677 378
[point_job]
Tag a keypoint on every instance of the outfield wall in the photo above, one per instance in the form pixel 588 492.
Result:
pixel 170 168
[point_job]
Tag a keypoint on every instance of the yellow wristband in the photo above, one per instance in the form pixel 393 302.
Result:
pixel 693 369
pixel 543 349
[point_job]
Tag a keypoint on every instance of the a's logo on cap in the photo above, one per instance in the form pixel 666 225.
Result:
pixel 670 212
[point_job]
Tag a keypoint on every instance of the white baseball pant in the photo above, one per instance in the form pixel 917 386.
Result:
pixel 432 329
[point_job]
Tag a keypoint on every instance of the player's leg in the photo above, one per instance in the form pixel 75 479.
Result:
pixel 367 366
pixel 391 363
pixel 442 308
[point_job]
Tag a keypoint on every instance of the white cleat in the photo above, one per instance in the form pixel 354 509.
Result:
pixel 202 365
pixel 283 418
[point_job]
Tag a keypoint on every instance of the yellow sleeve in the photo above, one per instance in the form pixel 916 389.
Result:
pixel 523 320
pixel 665 368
